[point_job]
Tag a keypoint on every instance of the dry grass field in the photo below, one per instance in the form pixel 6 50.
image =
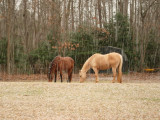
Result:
pixel 137 98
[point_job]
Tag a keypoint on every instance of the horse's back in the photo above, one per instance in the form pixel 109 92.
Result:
pixel 114 56
pixel 114 59
pixel 100 57
pixel 68 62
pixel 68 59
pixel 114 53
pixel 99 61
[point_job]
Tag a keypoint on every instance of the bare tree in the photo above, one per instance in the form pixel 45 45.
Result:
pixel 72 15
pixel 8 36
pixel 32 21
pixel 143 13
pixel 99 13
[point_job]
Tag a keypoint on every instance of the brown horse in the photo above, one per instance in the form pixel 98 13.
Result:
pixel 102 62
pixel 60 64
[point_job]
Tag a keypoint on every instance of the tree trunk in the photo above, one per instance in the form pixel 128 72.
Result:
pixel 25 25
pixel 125 9
pixel 72 13
pixel 9 37
pixel 99 13
pixel 80 11
pixel 104 10
pixel 116 34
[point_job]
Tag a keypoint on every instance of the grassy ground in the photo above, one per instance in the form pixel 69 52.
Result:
pixel 80 101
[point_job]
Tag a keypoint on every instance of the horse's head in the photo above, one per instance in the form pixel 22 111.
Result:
pixel 49 77
pixel 82 76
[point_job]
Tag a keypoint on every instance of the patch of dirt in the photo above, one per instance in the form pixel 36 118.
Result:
pixel 130 77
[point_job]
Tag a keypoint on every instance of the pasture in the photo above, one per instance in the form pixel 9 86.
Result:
pixel 137 98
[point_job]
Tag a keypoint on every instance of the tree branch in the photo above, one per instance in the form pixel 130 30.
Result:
pixel 143 14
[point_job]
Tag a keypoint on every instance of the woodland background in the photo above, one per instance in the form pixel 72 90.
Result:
pixel 33 32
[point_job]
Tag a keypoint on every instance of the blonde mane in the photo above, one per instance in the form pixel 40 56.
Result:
pixel 86 65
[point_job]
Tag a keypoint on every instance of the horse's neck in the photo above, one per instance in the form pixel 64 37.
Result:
pixel 86 66
pixel 53 65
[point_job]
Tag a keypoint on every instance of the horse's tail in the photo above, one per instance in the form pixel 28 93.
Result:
pixel 120 70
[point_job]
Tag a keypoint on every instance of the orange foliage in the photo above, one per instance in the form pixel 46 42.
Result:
pixel 66 45
pixel 102 30
pixel 94 18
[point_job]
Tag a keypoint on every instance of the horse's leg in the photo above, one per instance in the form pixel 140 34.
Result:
pixel 69 75
pixel 55 76
pixel 114 74
pixel 96 74
pixel 68 78
pixel 50 77
pixel 119 78
pixel 61 75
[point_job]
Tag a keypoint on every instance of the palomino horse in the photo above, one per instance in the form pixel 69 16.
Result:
pixel 102 62
pixel 60 64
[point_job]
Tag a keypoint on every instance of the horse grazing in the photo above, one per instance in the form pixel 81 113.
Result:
pixel 60 64
pixel 102 62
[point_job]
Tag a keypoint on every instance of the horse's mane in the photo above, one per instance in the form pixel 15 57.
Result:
pixel 86 65
pixel 54 63
pixel 57 58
